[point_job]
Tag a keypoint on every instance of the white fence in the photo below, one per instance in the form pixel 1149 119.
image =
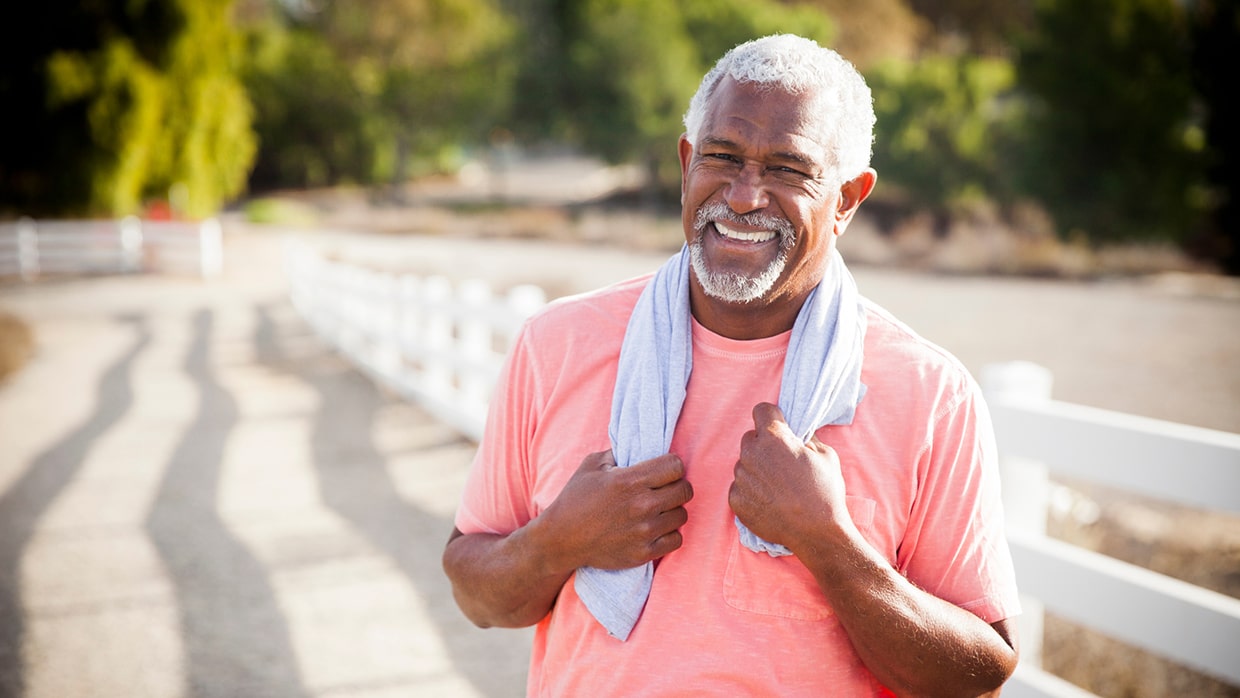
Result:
pixel 442 346
pixel 1200 468
pixel 30 249
pixel 435 343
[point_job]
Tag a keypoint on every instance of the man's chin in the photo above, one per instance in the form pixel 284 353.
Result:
pixel 730 287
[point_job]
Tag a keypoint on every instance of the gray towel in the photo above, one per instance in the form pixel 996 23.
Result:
pixel 821 385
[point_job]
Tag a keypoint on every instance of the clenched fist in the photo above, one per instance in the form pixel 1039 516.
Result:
pixel 785 490
pixel 614 518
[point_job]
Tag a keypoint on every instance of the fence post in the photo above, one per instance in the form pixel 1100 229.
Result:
pixel 437 323
pixel 523 301
pixel 474 343
pixel 409 298
pixel 210 248
pixel 27 249
pixel 131 244
pixel 386 332
pixel 1026 483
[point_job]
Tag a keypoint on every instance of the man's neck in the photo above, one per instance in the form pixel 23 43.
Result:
pixel 765 317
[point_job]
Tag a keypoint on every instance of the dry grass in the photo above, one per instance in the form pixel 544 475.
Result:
pixel 16 344
pixel 1202 548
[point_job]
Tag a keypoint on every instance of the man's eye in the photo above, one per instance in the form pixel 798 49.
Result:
pixel 727 157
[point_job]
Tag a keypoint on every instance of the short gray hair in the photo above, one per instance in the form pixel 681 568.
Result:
pixel 797 65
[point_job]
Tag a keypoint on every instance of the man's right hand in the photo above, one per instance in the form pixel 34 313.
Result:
pixel 614 518
pixel 606 516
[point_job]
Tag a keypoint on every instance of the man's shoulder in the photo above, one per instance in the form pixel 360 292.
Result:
pixel 894 352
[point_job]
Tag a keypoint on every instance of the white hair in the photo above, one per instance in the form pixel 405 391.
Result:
pixel 799 65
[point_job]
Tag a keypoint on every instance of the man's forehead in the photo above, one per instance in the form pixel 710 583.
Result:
pixel 780 123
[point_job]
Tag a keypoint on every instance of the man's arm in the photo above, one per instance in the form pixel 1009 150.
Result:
pixel 606 517
pixel 914 642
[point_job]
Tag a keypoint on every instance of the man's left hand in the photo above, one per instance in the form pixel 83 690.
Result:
pixel 785 490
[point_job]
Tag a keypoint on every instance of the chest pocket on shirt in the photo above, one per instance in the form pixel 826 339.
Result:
pixel 782 586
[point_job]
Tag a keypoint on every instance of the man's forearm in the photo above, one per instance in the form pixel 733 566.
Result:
pixel 912 641
pixel 501 581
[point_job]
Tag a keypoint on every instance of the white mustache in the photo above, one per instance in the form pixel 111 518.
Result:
pixel 718 211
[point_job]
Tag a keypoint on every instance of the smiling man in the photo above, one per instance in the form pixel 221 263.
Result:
pixel 737 476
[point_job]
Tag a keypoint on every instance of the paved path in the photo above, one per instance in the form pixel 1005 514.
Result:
pixel 197 499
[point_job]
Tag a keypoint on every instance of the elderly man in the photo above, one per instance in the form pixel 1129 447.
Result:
pixel 737 476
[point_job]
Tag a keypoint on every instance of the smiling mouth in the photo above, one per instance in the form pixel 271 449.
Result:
pixel 744 236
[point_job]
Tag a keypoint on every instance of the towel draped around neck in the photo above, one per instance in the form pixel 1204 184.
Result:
pixel 821 385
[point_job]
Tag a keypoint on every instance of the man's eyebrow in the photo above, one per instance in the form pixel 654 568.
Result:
pixel 717 142
pixel 803 160
pixel 800 159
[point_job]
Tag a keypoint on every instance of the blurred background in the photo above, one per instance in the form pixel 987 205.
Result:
pixel 1058 180
pixel 1075 127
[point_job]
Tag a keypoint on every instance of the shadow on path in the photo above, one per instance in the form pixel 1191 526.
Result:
pixel 49 474
pixel 355 483
pixel 236 641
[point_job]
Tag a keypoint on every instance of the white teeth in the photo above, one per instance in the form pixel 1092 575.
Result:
pixel 759 236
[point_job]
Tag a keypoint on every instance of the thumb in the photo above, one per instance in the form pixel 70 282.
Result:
pixel 768 417
pixel 600 461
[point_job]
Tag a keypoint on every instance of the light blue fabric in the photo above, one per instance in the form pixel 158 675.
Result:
pixel 821 385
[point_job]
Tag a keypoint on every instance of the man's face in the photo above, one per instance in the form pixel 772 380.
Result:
pixel 760 200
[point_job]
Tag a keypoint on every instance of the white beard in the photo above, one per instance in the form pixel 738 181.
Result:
pixel 732 287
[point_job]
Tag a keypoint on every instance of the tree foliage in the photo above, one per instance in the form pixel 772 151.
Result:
pixel 1114 141
pixel 394 83
pixel 942 125
pixel 311 119
pixel 119 103
pixel 1116 115
pixel 629 68
pixel 1216 48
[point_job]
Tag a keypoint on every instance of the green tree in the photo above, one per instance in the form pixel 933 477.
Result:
pixel 371 91
pixel 983 26
pixel 632 70
pixel 942 125
pixel 435 72
pixel 314 125
pixel 117 103
pixel 1216 47
pixel 1115 148
pixel 631 67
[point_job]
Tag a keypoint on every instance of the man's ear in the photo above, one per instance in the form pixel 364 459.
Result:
pixel 854 191
pixel 686 154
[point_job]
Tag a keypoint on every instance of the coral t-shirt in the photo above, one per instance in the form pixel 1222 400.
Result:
pixel 918 464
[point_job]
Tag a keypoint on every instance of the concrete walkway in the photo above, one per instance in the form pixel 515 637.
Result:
pixel 197 499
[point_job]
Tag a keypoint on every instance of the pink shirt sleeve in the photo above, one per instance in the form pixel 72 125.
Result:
pixel 954 546
pixel 497 495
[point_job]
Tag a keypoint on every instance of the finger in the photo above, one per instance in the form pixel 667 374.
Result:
pixel 676 493
pixel 667 543
pixel 602 460
pixel 657 472
pixel 671 520
pixel 767 417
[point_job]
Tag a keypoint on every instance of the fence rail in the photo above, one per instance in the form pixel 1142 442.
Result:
pixel 443 345
pixel 435 343
pixel 31 249
pixel 1037 436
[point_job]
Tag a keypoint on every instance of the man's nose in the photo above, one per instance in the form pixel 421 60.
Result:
pixel 747 191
